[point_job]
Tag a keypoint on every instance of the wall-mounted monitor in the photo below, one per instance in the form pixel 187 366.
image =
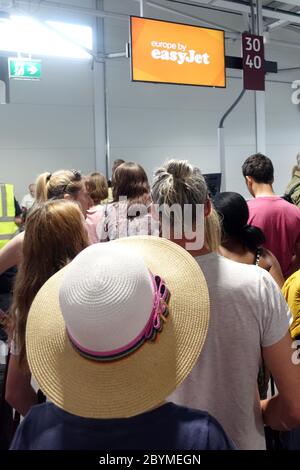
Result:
pixel 213 181
pixel 176 53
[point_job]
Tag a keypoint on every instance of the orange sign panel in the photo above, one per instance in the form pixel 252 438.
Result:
pixel 176 53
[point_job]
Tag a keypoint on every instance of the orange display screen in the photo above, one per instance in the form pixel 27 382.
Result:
pixel 176 53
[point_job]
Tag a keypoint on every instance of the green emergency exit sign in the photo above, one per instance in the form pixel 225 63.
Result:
pixel 24 69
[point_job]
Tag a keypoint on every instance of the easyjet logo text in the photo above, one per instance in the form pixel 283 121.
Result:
pixel 177 52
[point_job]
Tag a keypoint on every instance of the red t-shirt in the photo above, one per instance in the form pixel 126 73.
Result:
pixel 280 222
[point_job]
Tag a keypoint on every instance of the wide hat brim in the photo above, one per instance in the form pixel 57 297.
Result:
pixel 144 379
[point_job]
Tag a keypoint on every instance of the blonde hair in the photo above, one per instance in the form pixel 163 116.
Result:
pixel 212 231
pixel 178 182
pixel 97 187
pixel 54 235
pixel 56 185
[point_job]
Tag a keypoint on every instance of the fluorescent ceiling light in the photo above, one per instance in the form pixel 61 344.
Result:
pixel 23 34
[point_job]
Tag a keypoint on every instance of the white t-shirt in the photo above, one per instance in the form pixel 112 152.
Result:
pixel 248 311
pixel 27 201
pixel 14 351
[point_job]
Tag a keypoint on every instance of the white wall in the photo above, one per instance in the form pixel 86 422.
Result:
pixel 50 124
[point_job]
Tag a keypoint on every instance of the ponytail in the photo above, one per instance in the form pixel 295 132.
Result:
pixel 212 234
pixel 234 214
pixel 42 187
pixel 56 185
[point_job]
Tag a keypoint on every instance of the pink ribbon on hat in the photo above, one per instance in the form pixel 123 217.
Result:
pixel 158 313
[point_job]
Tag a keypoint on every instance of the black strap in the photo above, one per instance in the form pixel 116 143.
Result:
pixel 295 186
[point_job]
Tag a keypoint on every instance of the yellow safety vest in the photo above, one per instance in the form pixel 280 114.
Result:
pixel 8 227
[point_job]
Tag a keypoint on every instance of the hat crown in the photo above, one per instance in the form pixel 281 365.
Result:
pixel 106 297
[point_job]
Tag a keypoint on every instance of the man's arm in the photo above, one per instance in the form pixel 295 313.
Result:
pixel 282 412
pixel 11 253
pixel 19 392
pixel 275 269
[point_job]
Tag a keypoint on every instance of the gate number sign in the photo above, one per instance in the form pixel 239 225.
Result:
pixel 253 62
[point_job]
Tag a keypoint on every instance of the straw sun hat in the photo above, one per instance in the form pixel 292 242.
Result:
pixel 86 329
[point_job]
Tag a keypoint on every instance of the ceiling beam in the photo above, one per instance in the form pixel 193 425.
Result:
pixel 181 13
pixel 267 12
pixel 241 8
pixel 229 5
pixel 295 3
pixel 68 8
pixel 277 24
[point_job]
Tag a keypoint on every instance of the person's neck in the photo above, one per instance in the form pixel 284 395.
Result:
pixel 263 190
pixel 195 253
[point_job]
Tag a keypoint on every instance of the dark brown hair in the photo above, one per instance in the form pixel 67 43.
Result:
pixel 260 168
pixel 97 187
pixel 130 180
pixel 116 163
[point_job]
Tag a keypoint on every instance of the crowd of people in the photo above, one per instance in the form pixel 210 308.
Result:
pixel 172 308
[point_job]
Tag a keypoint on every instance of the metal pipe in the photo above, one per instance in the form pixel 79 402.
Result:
pixel 235 6
pixel 101 130
pixel 101 14
pixel 221 140
pixel 113 55
pixel 221 124
pixel 240 7
pixel 108 14
pixel 259 18
pixel 203 5
pixel 107 132
pixel 252 17
pixel 260 96
pixel 142 8
pixel 277 24
pixel 296 3
pixel 288 69
pixel 267 81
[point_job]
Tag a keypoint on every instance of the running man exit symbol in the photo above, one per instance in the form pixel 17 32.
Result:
pixel 24 69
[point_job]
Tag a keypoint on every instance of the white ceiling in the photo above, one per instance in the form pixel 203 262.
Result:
pixel 281 19
pixel 283 14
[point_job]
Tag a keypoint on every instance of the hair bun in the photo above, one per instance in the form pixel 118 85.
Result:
pixel 179 169
pixel 252 236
